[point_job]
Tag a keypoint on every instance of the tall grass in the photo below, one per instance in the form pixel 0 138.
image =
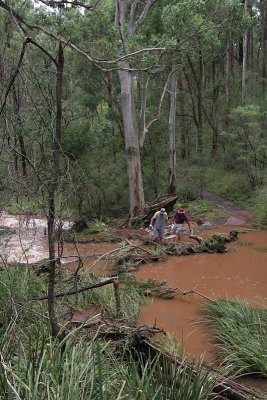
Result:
pixel 33 366
pixel 82 369
pixel 240 333
pixel 18 285
pixel 131 298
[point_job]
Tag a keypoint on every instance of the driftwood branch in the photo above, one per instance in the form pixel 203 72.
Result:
pixel 167 203
pixel 199 239
pixel 224 386
pixel 93 286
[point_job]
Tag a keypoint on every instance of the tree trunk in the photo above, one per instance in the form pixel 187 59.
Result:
pixel 228 81
pixel 55 329
pixel 263 9
pixel 199 105
pixel 215 93
pixel 250 46
pixel 131 137
pixel 112 112
pixel 228 70
pixel 244 61
pixel 183 125
pixel 172 142
pixel 18 130
pixel 131 134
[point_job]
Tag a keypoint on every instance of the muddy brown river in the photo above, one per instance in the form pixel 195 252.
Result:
pixel 240 273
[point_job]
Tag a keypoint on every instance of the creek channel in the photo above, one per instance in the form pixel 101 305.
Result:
pixel 240 273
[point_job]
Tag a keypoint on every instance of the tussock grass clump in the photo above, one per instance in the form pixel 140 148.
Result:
pixel 240 333
pixel 131 298
pixel 169 344
pixel 82 369
pixel 83 366
pixel 18 285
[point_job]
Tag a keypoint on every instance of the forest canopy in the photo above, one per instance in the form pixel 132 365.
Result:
pixel 120 102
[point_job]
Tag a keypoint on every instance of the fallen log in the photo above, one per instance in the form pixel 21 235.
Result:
pixel 214 244
pixel 199 239
pixel 225 387
pixel 149 211
pixel 141 258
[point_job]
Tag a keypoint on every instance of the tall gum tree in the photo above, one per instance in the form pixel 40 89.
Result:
pixel 127 78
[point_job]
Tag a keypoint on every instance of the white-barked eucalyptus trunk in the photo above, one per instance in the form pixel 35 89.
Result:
pixel 131 138
pixel 126 77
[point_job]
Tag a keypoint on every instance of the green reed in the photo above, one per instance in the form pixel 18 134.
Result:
pixel 240 333
pixel 83 369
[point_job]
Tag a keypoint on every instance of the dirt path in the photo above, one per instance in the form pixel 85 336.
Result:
pixel 238 215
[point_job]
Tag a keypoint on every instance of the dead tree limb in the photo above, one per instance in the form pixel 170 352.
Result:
pixel 71 292
pixel 199 239
pixel 225 387
pixel 167 203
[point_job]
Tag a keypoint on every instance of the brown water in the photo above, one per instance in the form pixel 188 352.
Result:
pixel 242 273
pixel 28 244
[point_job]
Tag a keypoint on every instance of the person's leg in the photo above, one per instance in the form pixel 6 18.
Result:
pixel 156 235
pixel 161 235
pixel 178 230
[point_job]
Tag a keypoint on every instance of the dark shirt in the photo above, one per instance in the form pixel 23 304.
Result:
pixel 180 218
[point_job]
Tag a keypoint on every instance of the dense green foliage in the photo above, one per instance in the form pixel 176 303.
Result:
pixel 84 162
pixel 221 105
pixel 240 333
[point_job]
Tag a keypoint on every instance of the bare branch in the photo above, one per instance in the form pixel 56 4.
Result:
pixel 93 286
pixel 30 40
pixel 131 24
pixel 74 3
pixel 91 58
pixel 15 73
pixel 144 14
pixel 157 117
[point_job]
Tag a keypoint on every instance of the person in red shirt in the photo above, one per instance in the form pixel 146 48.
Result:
pixel 179 218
